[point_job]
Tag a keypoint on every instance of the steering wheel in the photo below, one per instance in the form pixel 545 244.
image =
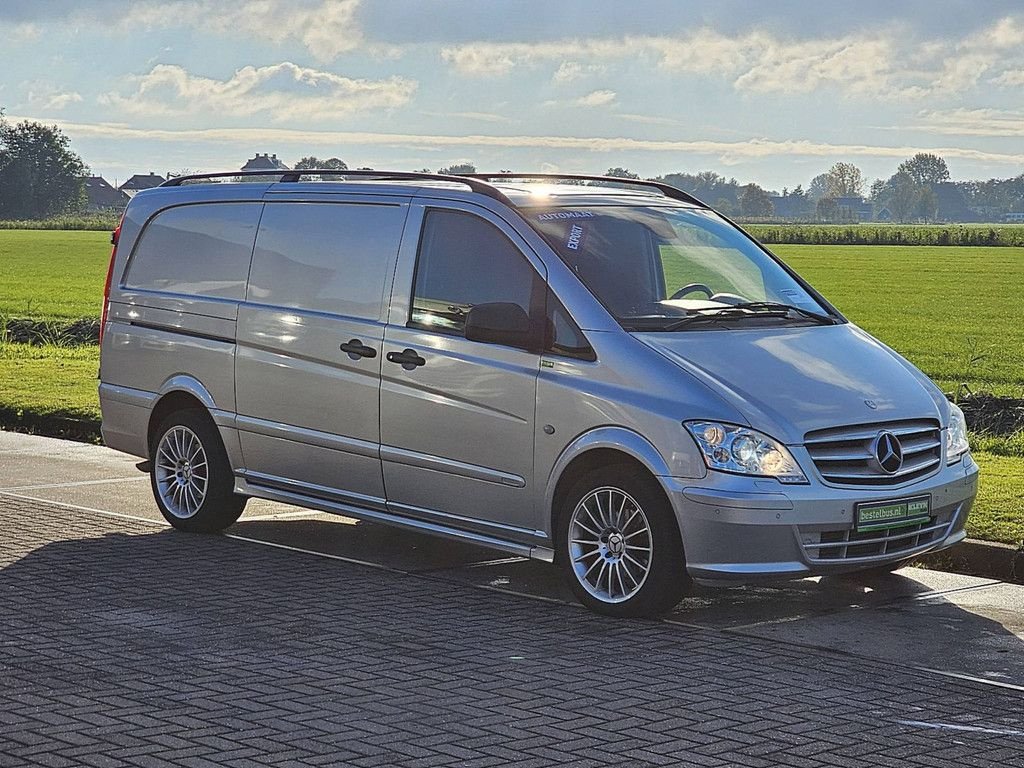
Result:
pixel 690 289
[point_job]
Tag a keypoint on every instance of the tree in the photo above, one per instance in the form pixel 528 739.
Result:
pixel 457 168
pixel 904 197
pixel 818 188
pixel 844 180
pixel 925 168
pixel 927 203
pixel 621 173
pixel 756 202
pixel 313 163
pixel 39 174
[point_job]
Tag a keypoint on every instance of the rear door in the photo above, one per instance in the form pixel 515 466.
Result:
pixel 309 346
pixel 457 427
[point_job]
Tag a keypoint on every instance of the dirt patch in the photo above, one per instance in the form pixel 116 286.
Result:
pixel 79 332
pixel 991 415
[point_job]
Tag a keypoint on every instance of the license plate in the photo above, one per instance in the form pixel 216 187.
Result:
pixel 892 514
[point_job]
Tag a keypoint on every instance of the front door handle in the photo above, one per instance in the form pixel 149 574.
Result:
pixel 356 349
pixel 407 358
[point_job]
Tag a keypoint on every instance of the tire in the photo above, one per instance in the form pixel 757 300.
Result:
pixel 616 522
pixel 190 474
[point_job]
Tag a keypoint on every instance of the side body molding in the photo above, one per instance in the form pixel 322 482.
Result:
pixel 620 439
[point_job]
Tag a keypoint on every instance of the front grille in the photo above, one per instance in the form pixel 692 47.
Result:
pixel 843 455
pixel 850 544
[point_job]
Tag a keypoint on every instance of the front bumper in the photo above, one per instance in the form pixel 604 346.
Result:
pixel 737 529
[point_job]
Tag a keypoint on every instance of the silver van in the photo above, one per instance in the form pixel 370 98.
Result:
pixel 597 372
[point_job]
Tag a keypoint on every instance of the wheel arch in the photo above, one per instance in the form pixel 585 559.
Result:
pixel 604 445
pixel 178 393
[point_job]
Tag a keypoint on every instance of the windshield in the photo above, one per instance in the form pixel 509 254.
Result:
pixel 656 264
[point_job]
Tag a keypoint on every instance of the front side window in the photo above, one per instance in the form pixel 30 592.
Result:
pixel 464 262
pixel 652 265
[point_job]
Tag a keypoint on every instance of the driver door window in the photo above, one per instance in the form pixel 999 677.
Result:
pixel 465 261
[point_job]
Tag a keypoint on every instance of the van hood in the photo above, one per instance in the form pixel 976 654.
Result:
pixel 790 381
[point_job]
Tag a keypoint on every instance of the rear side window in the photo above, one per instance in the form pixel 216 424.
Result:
pixel 325 257
pixel 199 250
pixel 464 261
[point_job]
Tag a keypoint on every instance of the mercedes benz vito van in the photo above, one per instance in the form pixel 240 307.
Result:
pixel 606 374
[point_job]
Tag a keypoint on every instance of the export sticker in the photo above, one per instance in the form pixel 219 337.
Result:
pixel 575 238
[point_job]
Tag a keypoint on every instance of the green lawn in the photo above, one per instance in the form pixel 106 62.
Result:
pixel 52 275
pixel 50 380
pixel 998 513
pixel 954 312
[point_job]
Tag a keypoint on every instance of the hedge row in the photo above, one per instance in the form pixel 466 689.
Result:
pixel 888 234
pixel 93 221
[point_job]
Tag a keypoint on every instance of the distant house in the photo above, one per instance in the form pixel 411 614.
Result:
pixel 139 182
pixel 1014 218
pixel 264 163
pixel 854 208
pixel 101 196
pixel 790 206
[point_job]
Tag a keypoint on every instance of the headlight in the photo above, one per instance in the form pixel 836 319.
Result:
pixel 729 448
pixel 956 434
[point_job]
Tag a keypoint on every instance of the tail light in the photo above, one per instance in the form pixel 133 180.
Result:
pixel 114 237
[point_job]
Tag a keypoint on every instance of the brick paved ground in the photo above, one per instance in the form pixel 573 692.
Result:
pixel 125 645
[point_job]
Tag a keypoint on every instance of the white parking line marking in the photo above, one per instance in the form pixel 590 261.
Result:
pixel 970 678
pixel 146 520
pixel 954 727
pixel 353 560
pixel 75 484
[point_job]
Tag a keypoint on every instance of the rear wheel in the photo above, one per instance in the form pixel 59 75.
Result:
pixel 190 474
pixel 618 544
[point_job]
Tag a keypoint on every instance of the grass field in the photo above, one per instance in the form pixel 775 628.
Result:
pixel 955 312
pixel 52 275
pixel 50 380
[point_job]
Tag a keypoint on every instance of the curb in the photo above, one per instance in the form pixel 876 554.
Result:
pixel 81 429
pixel 980 558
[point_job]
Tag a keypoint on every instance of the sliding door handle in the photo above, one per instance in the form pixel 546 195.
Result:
pixel 407 358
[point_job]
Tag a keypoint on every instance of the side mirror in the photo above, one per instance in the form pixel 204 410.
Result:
pixel 500 322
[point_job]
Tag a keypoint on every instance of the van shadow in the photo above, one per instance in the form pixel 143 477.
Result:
pixel 914 617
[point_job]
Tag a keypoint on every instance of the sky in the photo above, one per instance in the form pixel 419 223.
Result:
pixel 771 93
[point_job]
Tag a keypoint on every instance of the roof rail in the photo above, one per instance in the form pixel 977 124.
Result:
pixel 292 176
pixel 666 189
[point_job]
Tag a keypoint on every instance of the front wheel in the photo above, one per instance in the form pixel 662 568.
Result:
pixel 619 546
pixel 191 475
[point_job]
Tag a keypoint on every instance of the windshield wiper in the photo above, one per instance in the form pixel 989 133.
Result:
pixel 759 306
pixel 743 311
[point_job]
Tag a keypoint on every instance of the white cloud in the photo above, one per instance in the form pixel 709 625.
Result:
pixel 1011 78
pixel 570 71
pixel 46 96
pixel 484 117
pixel 726 152
pixel 601 98
pixel 972 122
pixel 283 91
pixel 880 64
pixel 327 28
